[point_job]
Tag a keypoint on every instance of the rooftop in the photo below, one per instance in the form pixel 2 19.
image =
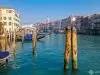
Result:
pixel 5 8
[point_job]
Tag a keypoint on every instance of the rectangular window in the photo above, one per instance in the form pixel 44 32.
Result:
pixel 9 18
pixel 9 23
pixel 18 20
pixel 5 18
pixel 16 15
pixel 9 11
pixel 5 23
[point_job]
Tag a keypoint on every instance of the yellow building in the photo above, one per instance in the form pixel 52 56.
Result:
pixel 10 18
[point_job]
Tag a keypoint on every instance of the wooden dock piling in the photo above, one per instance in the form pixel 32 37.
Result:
pixel 67 48
pixel 14 41
pixel 74 48
pixel 23 37
pixel 71 48
pixel 34 38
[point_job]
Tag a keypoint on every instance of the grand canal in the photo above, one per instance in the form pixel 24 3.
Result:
pixel 49 57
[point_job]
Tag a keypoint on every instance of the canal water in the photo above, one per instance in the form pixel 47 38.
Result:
pixel 49 57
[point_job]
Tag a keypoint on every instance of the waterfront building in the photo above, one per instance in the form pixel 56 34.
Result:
pixel 27 25
pixel 88 24
pixel 63 24
pixel 10 19
pixel 27 28
pixel 50 26
pixel 57 24
pixel 95 19
pixel 82 24
pixel 47 24
pixel 41 27
pixel 78 22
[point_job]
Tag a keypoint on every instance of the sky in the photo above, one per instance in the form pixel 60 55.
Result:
pixel 32 11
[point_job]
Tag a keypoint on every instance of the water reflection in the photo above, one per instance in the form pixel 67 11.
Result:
pixel 34 55
pixel 4 69
pixel 47 58
pixel 13 63
pixel 72 72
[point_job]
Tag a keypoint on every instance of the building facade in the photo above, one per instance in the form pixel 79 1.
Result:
pixel 10 19
pixel 57 24
pixel 27 25
pixel 63 24
pixel 88 24
pixel 95 20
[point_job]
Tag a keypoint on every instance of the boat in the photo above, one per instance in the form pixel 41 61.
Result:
pixel 28 37
pixel 4 56
pixel 40 37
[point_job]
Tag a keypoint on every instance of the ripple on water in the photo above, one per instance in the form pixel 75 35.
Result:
pixel 49 58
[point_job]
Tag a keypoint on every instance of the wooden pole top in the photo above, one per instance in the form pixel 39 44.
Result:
pixel 68 28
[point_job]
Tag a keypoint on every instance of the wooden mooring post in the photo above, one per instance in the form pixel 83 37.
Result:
pixel 71 47
pixel 34 39
pixel 74 48
pixel 23 35
pixel 67 48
